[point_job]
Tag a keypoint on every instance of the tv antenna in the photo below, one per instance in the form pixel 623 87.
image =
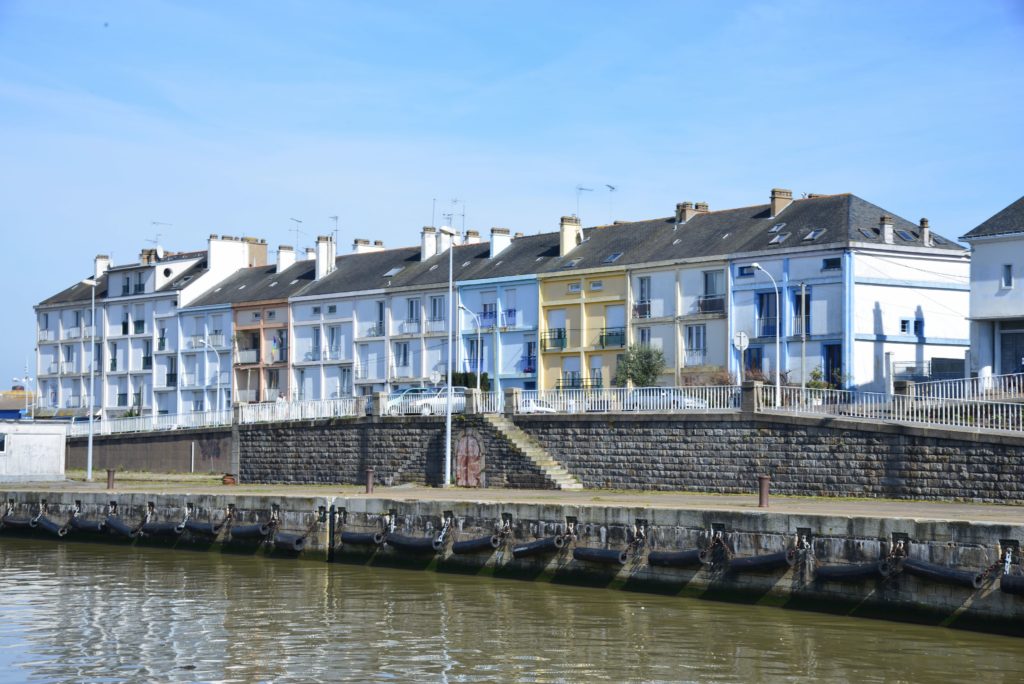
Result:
pixel 611 192
pixel 156 240
pixel 579 191
pixel 449 217
pixel 335 219
pixel 297 231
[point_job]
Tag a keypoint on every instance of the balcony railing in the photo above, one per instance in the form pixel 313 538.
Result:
pixel 73 402
pixel 88 332
pixel 124 327
pixel 766 326
pixel 161 344
pixel 642 309
pixel 277 355
pixel 553 339
pixel 370 371
pixel 113 365
pixel 401 371
pixel 488 319
pixel 190 380
pixel 72 333
pixel 140 288
pixel 612 337
pixel 334 354
pixel 410 326
pixel 527 364
pixel 246 396
pixel 711 304
pixel 312 355
pixel 217 340
pixel 46 335
pixel 171 380
pixel 139 327
pixel 126 289
pixel 51 369
pixel 510 317
pixel 376 330
pixel 196 341
pixel 574 380
pixel 248 356
pixel 435 325
pixel 695 357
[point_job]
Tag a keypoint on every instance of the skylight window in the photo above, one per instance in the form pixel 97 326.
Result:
pixel 677 241
pixel 294 281
pixel 777 227
pixel 868 233
pixel 242 286
pixel 273 284
pixel 393 271
pixel 778 239
pixel 612 258
pixel 540 258
pixel 814 234
pixel 465 264
pixel 572 263
pixel 434 267
pixel 906 235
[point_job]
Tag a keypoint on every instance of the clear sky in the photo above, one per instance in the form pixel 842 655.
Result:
pixel 234 117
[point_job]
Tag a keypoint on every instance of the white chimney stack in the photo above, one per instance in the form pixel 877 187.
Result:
pixel 362 246
pixel 325 254
pixel 571 234
pixel 444 240
pixel 101 265
pixel 885 227
pixel 472 237
pixel 926 233
pixel 500 239
pixel 285 257
pixel 428 242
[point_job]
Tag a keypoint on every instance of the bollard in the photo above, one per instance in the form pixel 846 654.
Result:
pixel 369 480
pixel 763 482
pixel 110 477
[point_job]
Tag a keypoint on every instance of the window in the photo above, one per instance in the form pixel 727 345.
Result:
pixel 315 332
pixel 777 227
pixel 3 442
pixel 316 310
pixel 572 263
pixel 831 264
pixel 644 286
pixel 597 285
pixel 645 336
pixel 140 286
pixel 714 283
pixel 869 233
pixel 437 308
pixel 905 326
pixel 255 315
pixel 814 234
pixel 767 314
pixel 778 239
pixel 126 286
pixel 393 271
pixel 906 235
pixel 332 308
pixel 753 359
pixel 802 312
pixel 271 315
pixel 402 354
pixel 1007 275
pixel 46 321
pixel 744 271
pixel 696 338
pixel 919 327
pixel 574 287
pixel 413 310
pixel 612 258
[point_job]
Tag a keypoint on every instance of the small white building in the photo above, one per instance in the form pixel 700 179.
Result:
pixel 32 451
pixel 997 297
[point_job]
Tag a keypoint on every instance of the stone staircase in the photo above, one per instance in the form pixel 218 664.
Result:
pixel 534 452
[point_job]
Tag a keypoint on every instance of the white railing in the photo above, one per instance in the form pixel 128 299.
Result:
pixel 620 399
pixel 46 335
pixel 991 388
pixel 247 355
pixel 108 426
pixel 436 326
pixel 246 395
pixel 274 411
pixel 490 402
pixel 898 408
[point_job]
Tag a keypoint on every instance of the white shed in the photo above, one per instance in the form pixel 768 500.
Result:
pixel 32 451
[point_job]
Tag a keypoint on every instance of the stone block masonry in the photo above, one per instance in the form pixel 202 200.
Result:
pixel 724 453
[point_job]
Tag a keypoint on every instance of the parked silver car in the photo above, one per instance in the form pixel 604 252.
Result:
pixel 662 399
pixel 437 403
pixel 401 402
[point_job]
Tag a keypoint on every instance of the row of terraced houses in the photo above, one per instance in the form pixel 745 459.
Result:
pixel 853 294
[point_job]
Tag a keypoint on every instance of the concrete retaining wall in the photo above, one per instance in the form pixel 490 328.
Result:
pixel 160 452
pixel 833 541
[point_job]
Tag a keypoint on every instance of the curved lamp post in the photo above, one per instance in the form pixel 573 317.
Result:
pixel 778 325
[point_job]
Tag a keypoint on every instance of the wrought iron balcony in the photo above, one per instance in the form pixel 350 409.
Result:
pixel 612 337
pixel 554 339
pixel 711 304
pixel 527 364
pixel 642 309
pixel 376 330
pixel 510 318
pixel 695 357
pixel 766 326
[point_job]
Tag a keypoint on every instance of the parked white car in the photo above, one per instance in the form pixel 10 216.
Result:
pixel 402 401
pixel 536 406
pixel 437 403
pixel 662 399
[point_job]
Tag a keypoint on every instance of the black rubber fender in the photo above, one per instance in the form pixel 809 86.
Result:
pixel 120 527
pixel 942 573
pixel 287 541
pixel 413 544
pixel 50 526
pixel 362 538
pixel 205 529
pixel 771 561
pixel 605 556
pixel 92 526
pixel 162 529
pixel 476 545
pixel 676 559
pixel 535 548
pixel 256 531
pixel 1012 584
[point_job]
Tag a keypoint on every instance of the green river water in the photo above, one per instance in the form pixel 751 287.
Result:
pixel 72 612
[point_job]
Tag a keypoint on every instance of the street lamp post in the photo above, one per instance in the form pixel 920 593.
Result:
pixel 479 350
pixel 451 320
pixel 205 342
pixel 778 324
pixel 91 282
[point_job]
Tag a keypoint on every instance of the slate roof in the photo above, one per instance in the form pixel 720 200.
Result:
pixel 366 271
pixel 78 293
pixel 260 283
pixel 1009 220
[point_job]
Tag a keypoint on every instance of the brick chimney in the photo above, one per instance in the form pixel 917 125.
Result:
pixel 885 228
pixel 684 212
pixel 257 251
pixel 926 233
pixel 571 234
pixel 701 207
pixel 781 198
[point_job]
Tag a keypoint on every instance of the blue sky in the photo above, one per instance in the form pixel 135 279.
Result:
pixel 233 117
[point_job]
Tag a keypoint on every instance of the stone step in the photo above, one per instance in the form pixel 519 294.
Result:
pixel 529 448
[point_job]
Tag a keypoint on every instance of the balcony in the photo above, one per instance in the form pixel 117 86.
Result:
pixel 376 330
pixel 126 289
pixel 161 344
pixel 527 364
pixel 147 363
pixel 247 396
pixel 333 354
pixel 72 333
pixel 488 319
pixel 51 369
pixel 553 340
pixel 190 380
pixel 574 380
pixel 88 332
pixel 370 371
pixel 139 327
pixel 46 335
pixel 401 371
pixel 436 325
pixel 140 288
pixel 711 304
pixel 248 356
pixel 196 341
pixel 695 357
pixel 766 326
pixel 642 309
pixel 612 337
pixel 171 380
pixel 217 340
pixel 409 327
pixel 73 402
pixel 277 355
pixel 313 355
pixel 509 317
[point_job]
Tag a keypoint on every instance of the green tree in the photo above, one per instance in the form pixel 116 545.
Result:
pixel 641 365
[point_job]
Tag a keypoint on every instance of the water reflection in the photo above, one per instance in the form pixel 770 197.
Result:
pixel 72 612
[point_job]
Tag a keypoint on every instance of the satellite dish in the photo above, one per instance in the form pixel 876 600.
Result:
pixel 159 252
